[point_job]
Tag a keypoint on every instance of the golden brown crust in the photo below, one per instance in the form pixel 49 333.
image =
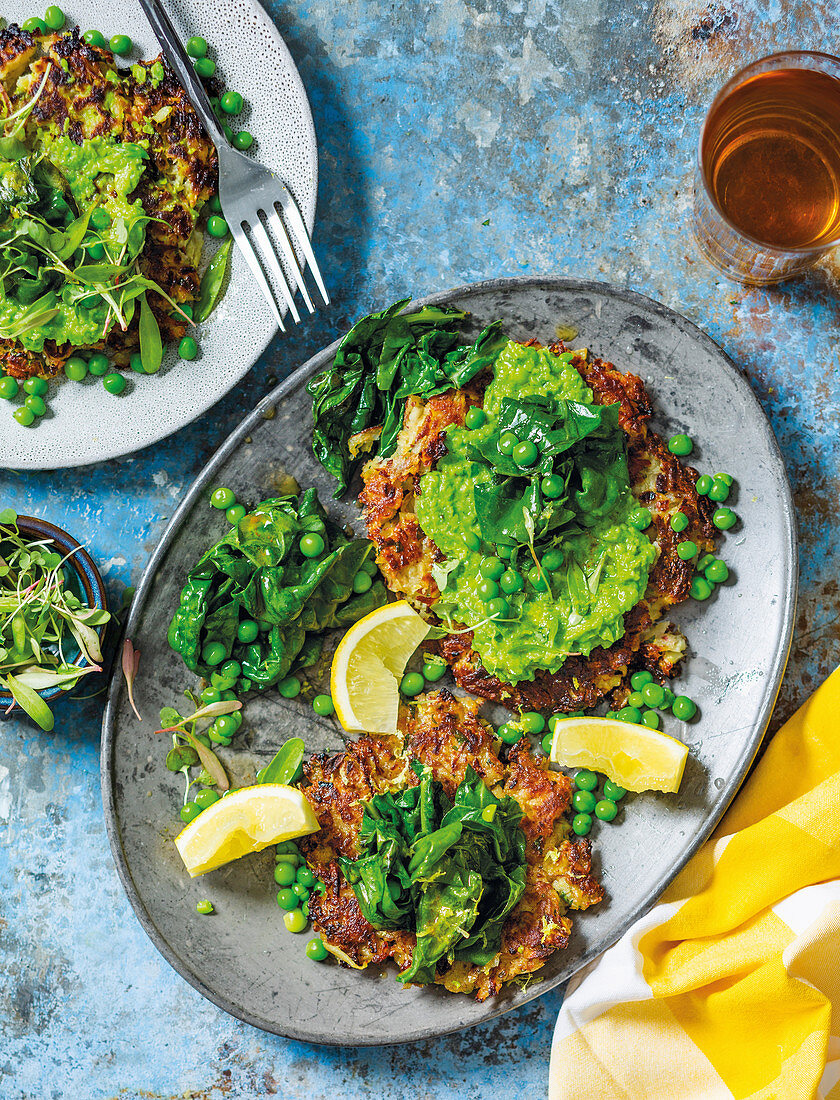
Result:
pixel 445 733
pixel 659 481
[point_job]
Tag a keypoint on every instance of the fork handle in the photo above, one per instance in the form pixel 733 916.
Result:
pixel 181 65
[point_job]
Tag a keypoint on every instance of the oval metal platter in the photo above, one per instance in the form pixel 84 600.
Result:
pixel 244 960
pixel 84 423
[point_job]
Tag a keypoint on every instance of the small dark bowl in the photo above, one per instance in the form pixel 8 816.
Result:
pixel 83 566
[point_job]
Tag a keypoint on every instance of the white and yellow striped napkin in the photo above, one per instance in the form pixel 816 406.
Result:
pixel 730 986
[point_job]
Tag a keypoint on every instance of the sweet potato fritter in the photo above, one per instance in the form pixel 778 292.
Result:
pixel 658 480
pixel 86 96
pixel 447 735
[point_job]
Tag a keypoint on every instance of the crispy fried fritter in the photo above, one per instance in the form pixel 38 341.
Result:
pixel 86 96
pixel 446 734
pixel 658 480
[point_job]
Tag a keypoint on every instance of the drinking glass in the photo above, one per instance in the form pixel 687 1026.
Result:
pixel 767 178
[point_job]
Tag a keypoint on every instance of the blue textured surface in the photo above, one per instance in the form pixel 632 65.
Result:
pixel 457 142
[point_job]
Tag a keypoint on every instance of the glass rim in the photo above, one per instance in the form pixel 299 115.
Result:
pixel 730 85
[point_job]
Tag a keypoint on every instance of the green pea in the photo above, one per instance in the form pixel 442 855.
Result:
pixel 231 670
pixel 525 453
pixel 205 67
pixel 581 824
pixel 25 417
pixel 311 546
pixel 295 921
pixel 222 497
pixel 231 103
pixel 206 798
pixel 511 581
pixel 584 802
pixel 288 858
pixel 412 684
pixel 504 552
pixel 705 562
pixel 630 714
pixel 188 348
pixel 724 518
pixel 703 484
pixel 717 571
pixel 98 364
pixel 76 368
pixel 606 809
pixel 100 218
pixel 700 589
pixel 491 568
pixel 476 417
pixel 186 308
pixel 531 721
pixel 287 899
pixel 205 907
pixel 498 608
pixel 613 792
pixel 34 26
pixel 287 847
pixel 114 382
pixel 247 631
pixel 120 45
pixel 243 140
pixel 54 18
pixel 226 725
pixel 95 38
pixel 217 226
pixel 719 491
pixel 197 46
pixel 213 653
pixel 305 877
pixel 553 559
pixel 635 699
pixel 650 719
pixel 210 695
pixel 684 708
pixel 507 441
pixel 316 951
pixel 36 386
pixel 552 486
pixel 538 581
pixel 640 518
pixel 189 812
pixel 472 541
pixel 727 479
pixel 370 567
pixel 36 405
pixel 434 672
pixel 289 688
pixel 234 514
pixel 509 734
pixel 668 700
pixel 686 550
pixel 362 582
pixel 136 363
pixel 546 743
pixel 300 891
pixel 586 780
pixel 653 694
pixel 323 705
pixel 680 445
pixel 679 521
pixel 9 388
pixel 487 589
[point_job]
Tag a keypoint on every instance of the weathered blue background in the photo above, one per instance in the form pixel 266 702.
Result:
pixel 458 142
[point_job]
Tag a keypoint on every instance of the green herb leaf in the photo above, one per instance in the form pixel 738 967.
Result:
pixel 212 282
pixel 30 701
pixel 180 757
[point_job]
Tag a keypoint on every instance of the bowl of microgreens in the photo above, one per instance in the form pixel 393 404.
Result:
pixel 52 612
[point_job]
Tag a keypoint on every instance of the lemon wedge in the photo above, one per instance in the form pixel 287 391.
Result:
pixel 368 664
pixel 247 820
pixel 635 757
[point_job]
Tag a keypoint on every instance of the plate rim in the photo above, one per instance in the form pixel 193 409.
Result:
pixel 309 216
pixel 251 421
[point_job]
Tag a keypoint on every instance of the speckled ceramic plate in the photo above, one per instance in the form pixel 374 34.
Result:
pixel 84 423
pixel 243 959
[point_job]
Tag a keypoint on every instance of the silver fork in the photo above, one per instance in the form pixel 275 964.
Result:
pixel 247 191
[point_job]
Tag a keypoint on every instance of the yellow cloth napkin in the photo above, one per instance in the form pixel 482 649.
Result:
pixel 730 986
